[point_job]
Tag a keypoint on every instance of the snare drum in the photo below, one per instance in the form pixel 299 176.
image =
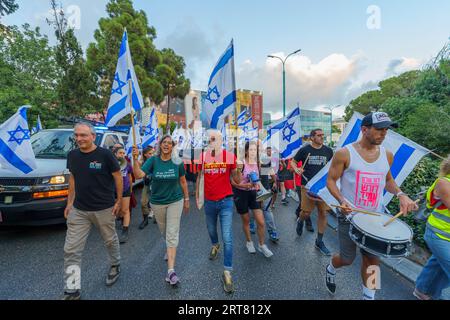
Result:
pixel 392 241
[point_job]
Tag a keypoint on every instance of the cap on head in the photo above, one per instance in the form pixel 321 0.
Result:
pixel 379 120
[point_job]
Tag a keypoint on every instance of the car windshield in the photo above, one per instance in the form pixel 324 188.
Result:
pixel 52 144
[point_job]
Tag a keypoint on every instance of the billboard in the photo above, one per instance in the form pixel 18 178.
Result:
pixel 257 110
pixel 193 109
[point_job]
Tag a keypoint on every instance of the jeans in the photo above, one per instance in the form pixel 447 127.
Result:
pixel 435 276
pixel 224 210
pixel 268 215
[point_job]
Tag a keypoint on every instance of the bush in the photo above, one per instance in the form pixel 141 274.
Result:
pixel 423 176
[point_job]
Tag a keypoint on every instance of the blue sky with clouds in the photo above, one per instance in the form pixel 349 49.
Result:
pixel 341 57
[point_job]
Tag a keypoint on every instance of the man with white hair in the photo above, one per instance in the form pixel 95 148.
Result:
pixel 218 166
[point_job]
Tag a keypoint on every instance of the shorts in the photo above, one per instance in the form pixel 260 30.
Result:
pixel 308 203
pixel 126 193
pixel 347 248
pixel 245 200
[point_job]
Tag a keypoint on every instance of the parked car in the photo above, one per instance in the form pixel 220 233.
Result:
pixel 39 198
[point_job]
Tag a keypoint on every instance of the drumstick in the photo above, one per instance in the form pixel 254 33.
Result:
pixel 304 164
pixel 396 216
pixel 358 210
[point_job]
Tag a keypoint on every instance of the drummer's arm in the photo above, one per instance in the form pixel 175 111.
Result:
pixel 406 204
pixel 338 165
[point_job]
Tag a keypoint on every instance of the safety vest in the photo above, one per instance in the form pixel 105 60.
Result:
pixel 439 220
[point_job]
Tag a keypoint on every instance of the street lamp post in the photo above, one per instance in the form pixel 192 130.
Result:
pixel 283 61
pixel 331 120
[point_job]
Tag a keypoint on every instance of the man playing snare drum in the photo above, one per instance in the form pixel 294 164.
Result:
pixel 364 172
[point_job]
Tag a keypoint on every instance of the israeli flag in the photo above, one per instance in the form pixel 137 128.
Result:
pixel 221 94
pixel 198 136
pixel 242 120
pixel 183 140
pixel 245 124
pixel 119 103
pixel 291 136
pixel 406 155
pixel 16 153
pixel 38 126
pixel 151 132
pixel 284 134
pixel 176 133
pixel 129 146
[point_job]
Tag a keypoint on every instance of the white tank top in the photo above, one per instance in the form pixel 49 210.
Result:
pixel 362 183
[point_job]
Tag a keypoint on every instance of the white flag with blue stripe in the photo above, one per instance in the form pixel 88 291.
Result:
pixel 16 153
pixel 291 136
pixel 38 126
pixel 406 155
pixel 119 103
pixel 284 134
pixel 221 94
pixel 151 132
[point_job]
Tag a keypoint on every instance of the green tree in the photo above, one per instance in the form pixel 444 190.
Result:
pixel 28 72
pixel 76 84
pixel 147 59
pixel 8 7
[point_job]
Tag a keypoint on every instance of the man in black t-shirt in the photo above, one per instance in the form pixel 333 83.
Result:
pixel 94 172
pixel 314 157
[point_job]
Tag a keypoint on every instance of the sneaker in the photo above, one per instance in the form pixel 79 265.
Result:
pixel 299 228
pixel 227 280
pixel 214 252
pixel 420 295
pixel 330 281
pixel 273 235
pixel 72 295
pixel 172 278
pixel 113 275
pixel 284 201
pixel 144 223
pixel 251 247
pixel 166 258
pixel 309 226
pixel 322 248
pixel 265 251
pixel 123 238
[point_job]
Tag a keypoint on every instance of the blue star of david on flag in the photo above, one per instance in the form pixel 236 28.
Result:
pixel 210 96
pixel 16 152
pixel 19 140
pixel 291 132
pixel 120 85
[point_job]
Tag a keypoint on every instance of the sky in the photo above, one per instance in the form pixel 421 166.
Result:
pixel 347 46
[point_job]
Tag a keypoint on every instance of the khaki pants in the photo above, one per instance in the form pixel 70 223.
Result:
pixel 308 203
pixel 79 224
pixel 168 217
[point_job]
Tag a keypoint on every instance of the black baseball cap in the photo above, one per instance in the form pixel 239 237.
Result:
pixel 379 120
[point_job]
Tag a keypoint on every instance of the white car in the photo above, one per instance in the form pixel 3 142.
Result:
pixel 39 198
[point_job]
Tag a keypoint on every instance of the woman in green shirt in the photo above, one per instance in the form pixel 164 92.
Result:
pixel 168 198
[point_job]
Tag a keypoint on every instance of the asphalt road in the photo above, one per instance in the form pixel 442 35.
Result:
pixel 31 265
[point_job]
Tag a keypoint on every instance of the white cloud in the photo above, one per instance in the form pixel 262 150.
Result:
pixel 400 65
pixel 310 84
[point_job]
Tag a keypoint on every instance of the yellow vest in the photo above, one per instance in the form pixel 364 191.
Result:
pixel 439 220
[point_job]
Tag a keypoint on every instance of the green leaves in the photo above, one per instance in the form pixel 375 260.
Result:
pixel 155 69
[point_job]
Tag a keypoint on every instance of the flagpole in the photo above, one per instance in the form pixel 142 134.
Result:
pixel 130 93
